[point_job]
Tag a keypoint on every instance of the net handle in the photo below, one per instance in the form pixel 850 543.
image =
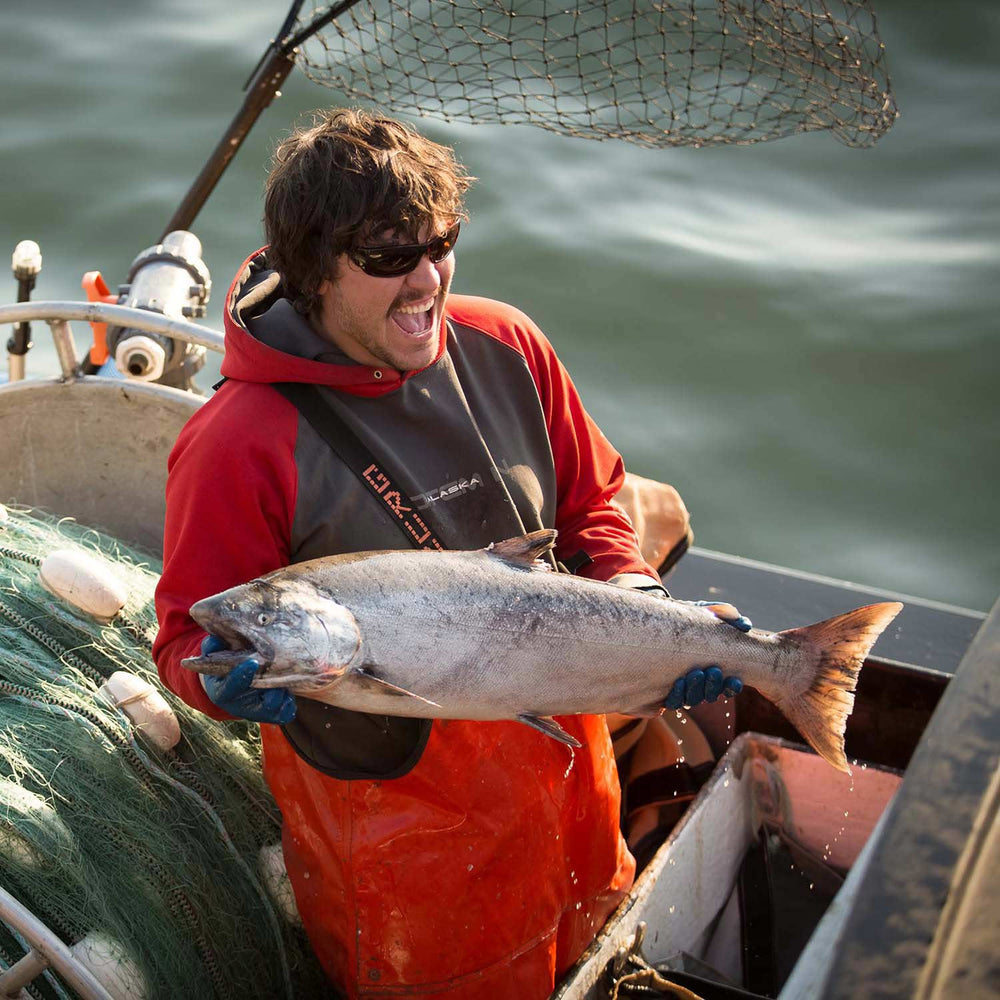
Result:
pixel 271 72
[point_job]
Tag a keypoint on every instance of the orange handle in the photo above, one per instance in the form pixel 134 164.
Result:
pixel 97 291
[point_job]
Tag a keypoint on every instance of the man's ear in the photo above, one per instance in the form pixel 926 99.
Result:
pixel 324 287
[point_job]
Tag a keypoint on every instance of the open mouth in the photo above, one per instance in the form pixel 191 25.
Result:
pixel 219 663
pixel 241 647
pixel 223 660
pixel 415 319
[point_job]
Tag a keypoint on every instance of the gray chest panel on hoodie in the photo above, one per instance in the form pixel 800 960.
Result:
pixel 468 440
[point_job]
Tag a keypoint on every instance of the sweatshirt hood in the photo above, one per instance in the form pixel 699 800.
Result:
pixel 267 340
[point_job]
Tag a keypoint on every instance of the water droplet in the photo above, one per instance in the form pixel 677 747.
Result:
pixel 672 908
pixel 725 784
pixel 579 905
pixel 811 885
pixel 469 868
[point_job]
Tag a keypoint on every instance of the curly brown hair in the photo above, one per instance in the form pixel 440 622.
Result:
pixel 345 178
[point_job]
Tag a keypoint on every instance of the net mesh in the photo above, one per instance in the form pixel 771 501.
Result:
pixel 152 856
pixel 656 74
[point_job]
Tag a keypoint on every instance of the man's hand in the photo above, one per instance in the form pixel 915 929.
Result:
pixel 727 613
pixel 700 685
pixel 233 694
pixel 707 684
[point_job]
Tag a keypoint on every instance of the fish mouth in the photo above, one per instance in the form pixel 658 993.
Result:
pixel 223 660
pixel 219 663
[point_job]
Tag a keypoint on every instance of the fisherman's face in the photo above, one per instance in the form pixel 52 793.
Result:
pixel 397 321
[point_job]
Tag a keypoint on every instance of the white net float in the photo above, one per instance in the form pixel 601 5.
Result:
pixel 110 964
pixel 274 875
pixel 145 706
pixel 84 581
pixel 29 827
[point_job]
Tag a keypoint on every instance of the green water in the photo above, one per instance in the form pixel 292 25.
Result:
pixel 803 338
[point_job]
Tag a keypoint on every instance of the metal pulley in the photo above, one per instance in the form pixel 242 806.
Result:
pixel 172 279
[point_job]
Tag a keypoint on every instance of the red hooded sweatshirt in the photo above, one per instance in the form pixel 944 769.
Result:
pixel 447 859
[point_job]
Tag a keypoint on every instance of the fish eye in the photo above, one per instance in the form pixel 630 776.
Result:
pixel 263 618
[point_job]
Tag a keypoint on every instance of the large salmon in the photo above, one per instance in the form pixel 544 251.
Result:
pixel 492 634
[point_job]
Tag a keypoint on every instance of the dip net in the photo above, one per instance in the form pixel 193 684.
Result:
pixel 654 73
pixel 153 858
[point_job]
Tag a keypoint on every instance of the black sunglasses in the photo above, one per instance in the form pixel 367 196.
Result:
pixel 392 261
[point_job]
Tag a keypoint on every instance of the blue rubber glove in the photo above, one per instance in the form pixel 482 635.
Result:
pixel 233 694
pixel 727 613
pixel 707 684
pixel 700 685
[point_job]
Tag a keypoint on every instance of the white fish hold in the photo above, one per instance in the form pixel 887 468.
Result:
pixel 493 634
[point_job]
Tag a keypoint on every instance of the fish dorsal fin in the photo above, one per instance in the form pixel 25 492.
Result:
pixel 524 550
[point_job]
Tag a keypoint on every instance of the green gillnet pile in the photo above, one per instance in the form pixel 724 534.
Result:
pixel 101 833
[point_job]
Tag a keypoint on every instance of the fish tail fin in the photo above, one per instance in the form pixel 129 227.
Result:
pixel 820 712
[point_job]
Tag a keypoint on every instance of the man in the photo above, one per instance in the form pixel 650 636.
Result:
pixel 454 859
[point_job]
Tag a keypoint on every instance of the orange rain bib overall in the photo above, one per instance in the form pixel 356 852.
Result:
pixel 482 873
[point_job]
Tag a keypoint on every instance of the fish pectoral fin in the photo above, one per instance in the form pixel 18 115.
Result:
pixel 366 678
pixel 546 724
pixel 524 550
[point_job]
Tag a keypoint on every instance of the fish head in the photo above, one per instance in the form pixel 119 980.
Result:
pixel 302 637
